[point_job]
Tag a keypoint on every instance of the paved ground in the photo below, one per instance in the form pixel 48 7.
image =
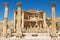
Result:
pixel 29 37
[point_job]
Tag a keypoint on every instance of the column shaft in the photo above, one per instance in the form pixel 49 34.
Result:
pixel 23 19
pixel 5 21
pixel 15 19
pixel 18 28
pixel 53 19
pixel 44 17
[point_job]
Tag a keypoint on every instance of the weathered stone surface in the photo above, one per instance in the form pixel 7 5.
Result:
pixel 30 25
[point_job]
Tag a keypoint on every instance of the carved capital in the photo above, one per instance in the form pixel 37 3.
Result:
pixel 19 4
pixel 53 4
pixel 6 4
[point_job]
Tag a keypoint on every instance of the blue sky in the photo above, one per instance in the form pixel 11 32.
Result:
pixel 27 5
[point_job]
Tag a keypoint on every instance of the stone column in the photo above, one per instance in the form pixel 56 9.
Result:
pixel 9 32
pixel 40 27
pixel 23 19
pixel 15 19
pixel 30 29
pixel 5 21
pixel 18 28
pixel 53 19
pixel 44 23
pixel 54 35
pixel 44 17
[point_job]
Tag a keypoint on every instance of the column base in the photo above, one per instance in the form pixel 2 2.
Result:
pixel 3 38
pixel 54 36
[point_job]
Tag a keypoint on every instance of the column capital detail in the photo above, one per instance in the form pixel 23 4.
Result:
pixel 53 4
pixel 6 4
pixel 19 4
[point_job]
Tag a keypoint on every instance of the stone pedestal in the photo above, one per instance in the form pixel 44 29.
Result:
pixel 3 38
pixel 9 32
pixel 54 36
